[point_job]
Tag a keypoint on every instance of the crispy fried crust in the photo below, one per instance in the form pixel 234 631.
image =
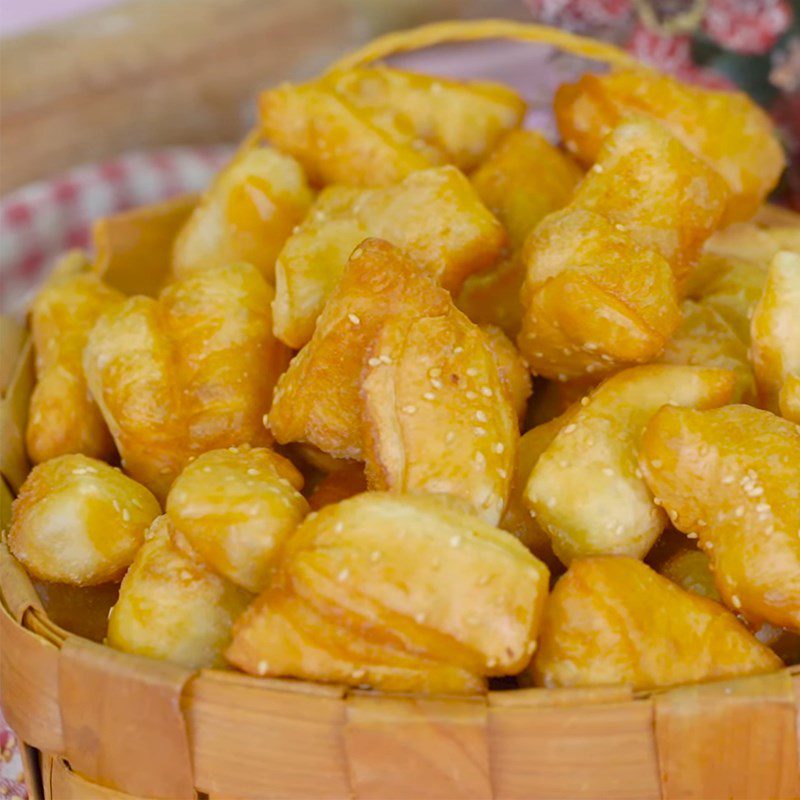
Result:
pixel 236 508
pixel 434 215
pixel 613 620
pixel 79 521
pixel 373 127
pixel 775 330
pixel 731 477
pixel 63 418
pixel 437 415
pixel 189 372
pixel 586 489
pixel 726 128
pixel 246 215
pixel 396 592
pixel 173 607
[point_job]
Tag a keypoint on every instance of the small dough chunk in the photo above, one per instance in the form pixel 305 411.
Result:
pixel 236 508
pixel 79 521
pixel 612 620
pixel 174 608
pixel 586 488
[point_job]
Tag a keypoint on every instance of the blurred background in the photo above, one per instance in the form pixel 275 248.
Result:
pixel 83 80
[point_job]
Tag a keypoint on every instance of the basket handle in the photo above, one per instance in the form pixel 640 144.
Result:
pixel 476 30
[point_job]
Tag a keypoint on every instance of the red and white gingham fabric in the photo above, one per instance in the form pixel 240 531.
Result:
pixel 41 221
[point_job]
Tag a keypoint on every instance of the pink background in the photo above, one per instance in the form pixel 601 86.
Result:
pixel 19 15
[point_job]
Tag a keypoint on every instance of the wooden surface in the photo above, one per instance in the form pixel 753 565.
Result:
pixel 147 73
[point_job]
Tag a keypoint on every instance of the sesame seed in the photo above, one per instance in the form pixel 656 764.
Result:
pixel 450 437
pixel 479 431
pixel 126 515
pixel 673 514
pixel 354 319
pixel 207 469
pixel 737 603
pixel 359 673
pixel 691 535
pixel 727 479
pixel 498 447
pixel 436 383
pixel 420 617
pixel 375 556
pixel 374 361
pixel 481 416
pixel 338 527
pixel 584 401
pixel 483 580
pixel 502 473
pixel 458 350
pixel 480 459
pixel 252 471
pixel 343 575
pixel 608 471
pixel 657 463
pixel 429 396
pixel 471 395
pixel 435 372
pixel 570 428
pixel 385 359
pixel 491 663
pixel 472 372
pixel 455 541
pixel 263 667
pixel 409 409
pixel 738 511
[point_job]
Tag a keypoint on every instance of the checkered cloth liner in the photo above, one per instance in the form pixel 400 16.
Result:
pixel 41 221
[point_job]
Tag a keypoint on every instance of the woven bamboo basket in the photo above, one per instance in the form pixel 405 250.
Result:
pixel 96 723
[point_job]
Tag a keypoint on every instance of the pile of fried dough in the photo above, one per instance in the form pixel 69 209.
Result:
pixel 425 400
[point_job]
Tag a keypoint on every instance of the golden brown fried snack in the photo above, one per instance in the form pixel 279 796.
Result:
pixel 247 214
pixel 172 607
pixel 77 520
pixel 236 508
pixel 434 215
pixel 648 183
pixel 705 339
pixel 726 128
pixel 594 300
pixel 613 620
pixel 190 372
pixel 493 297
pixel 775 332
pixel 586 488
pixel 512 368
pixel 602 275
pixel 317 399
pixel 518 518
pixel 398 592
pixel 691 570
pixel 62 417
pixel 338 485
pixel 437 415
pixel 731 286
pixel 731 477
pixel 759 239
pixel 524 179
pixel 373 126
